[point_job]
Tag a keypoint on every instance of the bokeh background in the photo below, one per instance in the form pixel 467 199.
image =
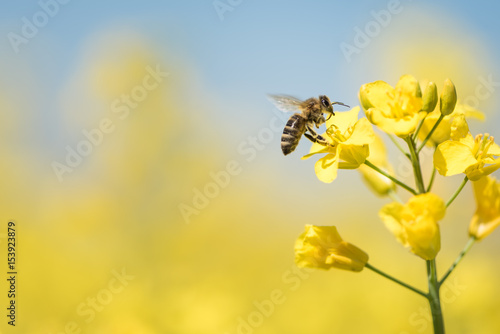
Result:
pixel 125 243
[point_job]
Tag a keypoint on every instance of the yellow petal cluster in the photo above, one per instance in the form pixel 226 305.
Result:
pixel 322 247
pixel 394 110
pixel 475 156
pixel 414 224
pixel 487 215
pixel 349 138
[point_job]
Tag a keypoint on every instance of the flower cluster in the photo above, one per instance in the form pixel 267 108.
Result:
pixel 406 116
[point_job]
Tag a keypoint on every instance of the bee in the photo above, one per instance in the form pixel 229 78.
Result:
pixel 311 114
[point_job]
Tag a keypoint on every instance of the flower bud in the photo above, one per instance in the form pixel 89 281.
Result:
pixel 448 98
pixel 430 97
pixel 418 90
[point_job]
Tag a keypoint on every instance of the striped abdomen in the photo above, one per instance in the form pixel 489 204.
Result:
pixel 294 129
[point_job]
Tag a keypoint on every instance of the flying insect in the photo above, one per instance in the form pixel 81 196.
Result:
pixel 310 115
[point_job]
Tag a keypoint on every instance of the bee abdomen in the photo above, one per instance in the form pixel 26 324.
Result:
pixel 294 129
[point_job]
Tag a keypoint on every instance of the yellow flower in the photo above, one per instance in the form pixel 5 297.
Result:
pixel 487 216
pixel 378 183
pixel 443 131
pixel 414 224
pixel 394 110
pixel 322 247
pixel 348 149
pixel 476 157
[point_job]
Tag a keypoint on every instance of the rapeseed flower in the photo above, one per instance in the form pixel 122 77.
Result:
pixel 414 224
pixel 475 156
pixel 394 110
pixel 322 247
pixel 348 139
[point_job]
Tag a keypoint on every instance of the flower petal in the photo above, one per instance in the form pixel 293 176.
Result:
pixel 317 149
pixel 354 155
pixel 459 128
pixel 494 149
pixel 344 120
pixel 391 215
pixel 374 95
pixel 468 111
pixel 451 158
pixel 424 237
pixel 478 170
pixel 401 127
pixel 428 204
pixel 415 223
pixel 487 215
pixel 326 168
pixel 322 247
pixel 409 86
pixel 362 133
pixel 348 257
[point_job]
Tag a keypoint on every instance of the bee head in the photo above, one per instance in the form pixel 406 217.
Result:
pixel 326 105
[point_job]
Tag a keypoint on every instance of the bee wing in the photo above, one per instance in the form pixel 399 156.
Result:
pixel 285 103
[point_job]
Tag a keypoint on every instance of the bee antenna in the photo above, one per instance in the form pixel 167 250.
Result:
pixel 342 104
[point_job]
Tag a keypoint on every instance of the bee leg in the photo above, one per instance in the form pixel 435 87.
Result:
pixel 315 138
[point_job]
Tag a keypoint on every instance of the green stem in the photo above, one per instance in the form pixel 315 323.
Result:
pixel 415 135
pixel 369 266
pixel 419 180
pixel 399 146
pixel 431 181
pixel 464 251
pixel 430 133
pixel 393 179
pixel 457 192
pixel 433 297
pixel 433 283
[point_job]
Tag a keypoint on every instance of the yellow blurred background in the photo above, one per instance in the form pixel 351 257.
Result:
pixel 181 216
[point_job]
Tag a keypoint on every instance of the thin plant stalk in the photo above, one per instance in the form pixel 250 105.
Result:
pixel 467 247
pixel 462 185
pixel 419 180
pixel 394 140
pixel 430 133
pixel 380 272
pixel 415 135
pixel 392 178
pixel 431 181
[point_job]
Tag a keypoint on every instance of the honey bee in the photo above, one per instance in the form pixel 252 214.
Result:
pixel 311 114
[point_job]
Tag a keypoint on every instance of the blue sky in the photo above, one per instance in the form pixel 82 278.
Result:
pixel 259 47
